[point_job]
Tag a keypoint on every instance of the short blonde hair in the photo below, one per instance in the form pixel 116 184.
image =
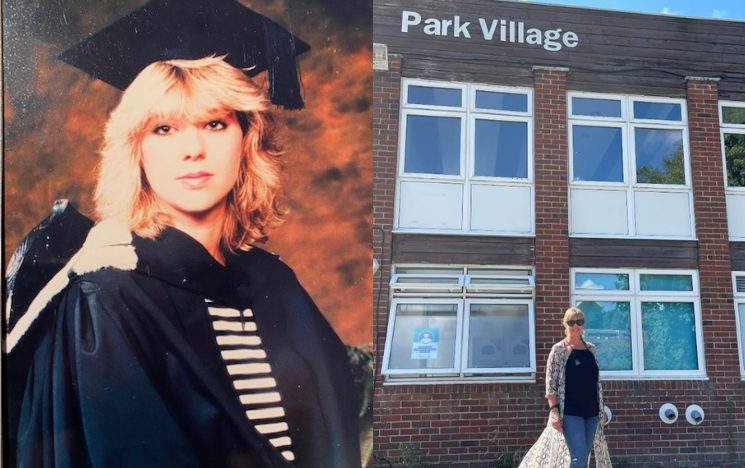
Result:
pixel 191 89
pixel 573 313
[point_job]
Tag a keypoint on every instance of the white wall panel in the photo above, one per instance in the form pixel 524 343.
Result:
pixel 736 214
pixel 430 205
pixel 501 209
pixel 662 214
pixel 600 212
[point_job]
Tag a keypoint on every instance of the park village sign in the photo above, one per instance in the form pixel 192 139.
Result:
pixel 501 30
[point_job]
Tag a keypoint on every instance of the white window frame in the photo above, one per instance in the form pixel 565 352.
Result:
pixel 739 299
pixel 729 128
pixel 458 337
pixel 628 124
pixel 460 293
pixel 634 296
pixel 736 129
pixel 468 114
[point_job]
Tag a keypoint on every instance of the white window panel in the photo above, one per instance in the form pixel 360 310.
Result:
pixel 431 205
pixel 646 324
pixel 501 208
pixel 450 324
pixel 507 285
pixel 631 144
pixel 599 212
pixel 434 95
pixel 433 144
pixel 738 283
pixel 408 352
pixel 732 125
pixel 424 283
pixel 663 214
pixel 500 334
pixel 474 139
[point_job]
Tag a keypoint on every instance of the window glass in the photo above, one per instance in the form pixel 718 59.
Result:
pixel 596 107
pixel 657 111
pixel 734 155
pixel 733 115
pixel 435 96
pixel 659 156
pixel 415 279
pixel 499 336
pixel 424 337
pixel 607 281
pixel 502 101
pixel 669 336
pixel 608 327
pixel 501 149
pixel 597 154
pixel 432 145
pixel 666 282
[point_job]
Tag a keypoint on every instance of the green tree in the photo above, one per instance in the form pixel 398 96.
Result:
pixel 734 155
pixel 671 173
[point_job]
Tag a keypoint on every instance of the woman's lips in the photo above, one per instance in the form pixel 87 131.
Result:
pixel 195 179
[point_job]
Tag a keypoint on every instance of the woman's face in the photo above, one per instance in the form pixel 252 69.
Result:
pixel 192 166
pixel 575 327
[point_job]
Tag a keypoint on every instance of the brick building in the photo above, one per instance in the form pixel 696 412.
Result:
pixel 531 157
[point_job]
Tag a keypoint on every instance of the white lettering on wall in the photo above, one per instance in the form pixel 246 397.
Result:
pixel 502 30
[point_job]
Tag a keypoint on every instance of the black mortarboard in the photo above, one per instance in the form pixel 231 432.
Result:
pixel 193 29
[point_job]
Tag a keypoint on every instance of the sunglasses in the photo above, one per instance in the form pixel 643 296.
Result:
pixel 579 322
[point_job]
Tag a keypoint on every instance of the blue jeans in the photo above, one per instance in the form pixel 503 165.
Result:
pixel 579 433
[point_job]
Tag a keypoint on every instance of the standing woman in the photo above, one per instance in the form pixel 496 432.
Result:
pixel 170 339
pixel 575 401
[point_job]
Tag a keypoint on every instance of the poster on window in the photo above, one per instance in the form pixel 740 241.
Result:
pixel 425 343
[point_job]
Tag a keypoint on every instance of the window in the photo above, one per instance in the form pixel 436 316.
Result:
pixel 644 323
pixel 460 324
pixel 629 169
pixel 466 163
pixel 738 280
pixel 732 125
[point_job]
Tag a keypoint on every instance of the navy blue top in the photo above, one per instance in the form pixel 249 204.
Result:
pixel 582 375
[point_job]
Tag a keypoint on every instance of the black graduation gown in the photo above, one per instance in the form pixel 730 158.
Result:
pixel 127 372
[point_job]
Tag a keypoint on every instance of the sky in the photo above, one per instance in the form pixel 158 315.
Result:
pixel 724 9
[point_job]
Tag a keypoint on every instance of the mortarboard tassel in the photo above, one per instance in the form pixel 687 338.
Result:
pixel 284 84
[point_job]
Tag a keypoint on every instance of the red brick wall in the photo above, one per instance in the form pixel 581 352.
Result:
pixel 551 208
pixel 386 102
pixel 472 425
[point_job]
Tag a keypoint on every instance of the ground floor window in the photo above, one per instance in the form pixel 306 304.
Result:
pixel 460 323
pixel 738 279
pixel 645 323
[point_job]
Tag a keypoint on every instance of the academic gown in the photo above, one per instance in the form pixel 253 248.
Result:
pixel 126 370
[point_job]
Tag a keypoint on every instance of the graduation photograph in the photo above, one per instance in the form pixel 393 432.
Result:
pixel 187 230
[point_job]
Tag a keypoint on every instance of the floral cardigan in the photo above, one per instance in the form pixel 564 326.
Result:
pixel 551 451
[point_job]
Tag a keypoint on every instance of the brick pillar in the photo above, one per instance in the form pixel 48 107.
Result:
pixel 551 208
pixel 386 102
pixel 715 267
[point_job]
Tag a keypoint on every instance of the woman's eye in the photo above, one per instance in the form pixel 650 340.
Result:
pixel 162 129
pixel 216 124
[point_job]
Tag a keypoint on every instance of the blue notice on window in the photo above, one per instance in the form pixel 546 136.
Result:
pixel 426 341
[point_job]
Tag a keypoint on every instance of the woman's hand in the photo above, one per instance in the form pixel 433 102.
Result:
pixel 555 420
pixel 604 418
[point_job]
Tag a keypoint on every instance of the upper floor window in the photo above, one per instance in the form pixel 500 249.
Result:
pixel 629 166
pixel 732 126
pixel 464 148
pixel 460 323
pixel 644 323
pixel 738 281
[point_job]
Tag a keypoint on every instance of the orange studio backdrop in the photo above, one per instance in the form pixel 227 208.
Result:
pixel 54 118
